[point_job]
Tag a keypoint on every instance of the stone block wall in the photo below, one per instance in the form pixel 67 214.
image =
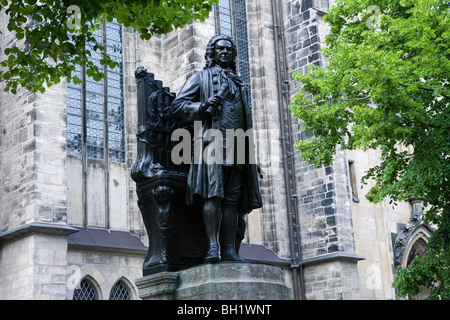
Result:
pixel 333 280
pixel 33 152
pixel 33 265
pixel 133 49
pixel 273 216
pixel 183 52
pixel 326 228
pixel 324 204
pixel 33 190
pixel 375 229
pixel 18 190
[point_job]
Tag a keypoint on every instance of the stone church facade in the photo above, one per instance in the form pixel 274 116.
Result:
pixel 70 227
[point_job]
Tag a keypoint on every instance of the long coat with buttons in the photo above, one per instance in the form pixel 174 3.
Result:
pixel 205 180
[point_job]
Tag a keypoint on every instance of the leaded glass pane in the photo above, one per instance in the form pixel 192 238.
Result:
pixel 116 128
pixel 120 292
pixel 242 40
pixel 225 18
pixel 95 103
pixel 94 107
pixel 74 116
pixel 114 41
pixel 85 291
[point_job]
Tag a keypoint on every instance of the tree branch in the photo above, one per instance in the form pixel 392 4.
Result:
pixel 59 28
pixel 345 100
pixel 425 89
pixel 340 100
pixel 41 37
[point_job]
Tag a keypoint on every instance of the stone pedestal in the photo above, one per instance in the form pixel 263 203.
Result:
pixel 159 286
pixel 223 281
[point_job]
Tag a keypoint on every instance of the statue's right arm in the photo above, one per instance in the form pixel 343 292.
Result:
pixel 187 105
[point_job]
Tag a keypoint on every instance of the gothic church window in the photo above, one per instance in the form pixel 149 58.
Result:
pixel 418 248
pixel 352 180
pixel 85 291
pixel 120 291
pixel 231 20
pixel 97 108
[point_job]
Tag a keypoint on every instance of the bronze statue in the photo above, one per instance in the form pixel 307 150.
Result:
pixel 228 189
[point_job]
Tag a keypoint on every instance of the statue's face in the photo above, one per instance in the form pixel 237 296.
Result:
pixel 223 53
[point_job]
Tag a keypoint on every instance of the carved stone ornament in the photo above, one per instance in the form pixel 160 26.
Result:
pixel 404 236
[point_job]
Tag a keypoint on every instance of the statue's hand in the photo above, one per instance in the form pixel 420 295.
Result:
pixel 214 101
pixel 211 105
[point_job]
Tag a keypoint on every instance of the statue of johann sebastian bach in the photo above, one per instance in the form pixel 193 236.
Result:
pixel 228 189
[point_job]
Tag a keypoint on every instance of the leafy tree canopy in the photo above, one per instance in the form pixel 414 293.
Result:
pixel 386 85
pixel 55 35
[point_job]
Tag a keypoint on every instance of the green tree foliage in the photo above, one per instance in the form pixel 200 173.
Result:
pixel 387 85
pixel 55 35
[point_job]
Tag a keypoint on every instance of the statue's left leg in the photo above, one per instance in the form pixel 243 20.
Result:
pixel 228 236
pixel 230 206
pixel 212 217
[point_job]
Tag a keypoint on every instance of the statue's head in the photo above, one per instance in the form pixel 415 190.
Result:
pixel 212 55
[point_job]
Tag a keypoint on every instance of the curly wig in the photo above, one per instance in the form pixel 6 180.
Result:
pixel 209 55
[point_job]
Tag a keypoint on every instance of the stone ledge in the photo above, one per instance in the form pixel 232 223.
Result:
pixel 36 227
pixel 332 257
pixel 160 286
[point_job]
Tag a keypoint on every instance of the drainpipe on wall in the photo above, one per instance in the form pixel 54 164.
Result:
pixel 288 161
pixel 83 145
